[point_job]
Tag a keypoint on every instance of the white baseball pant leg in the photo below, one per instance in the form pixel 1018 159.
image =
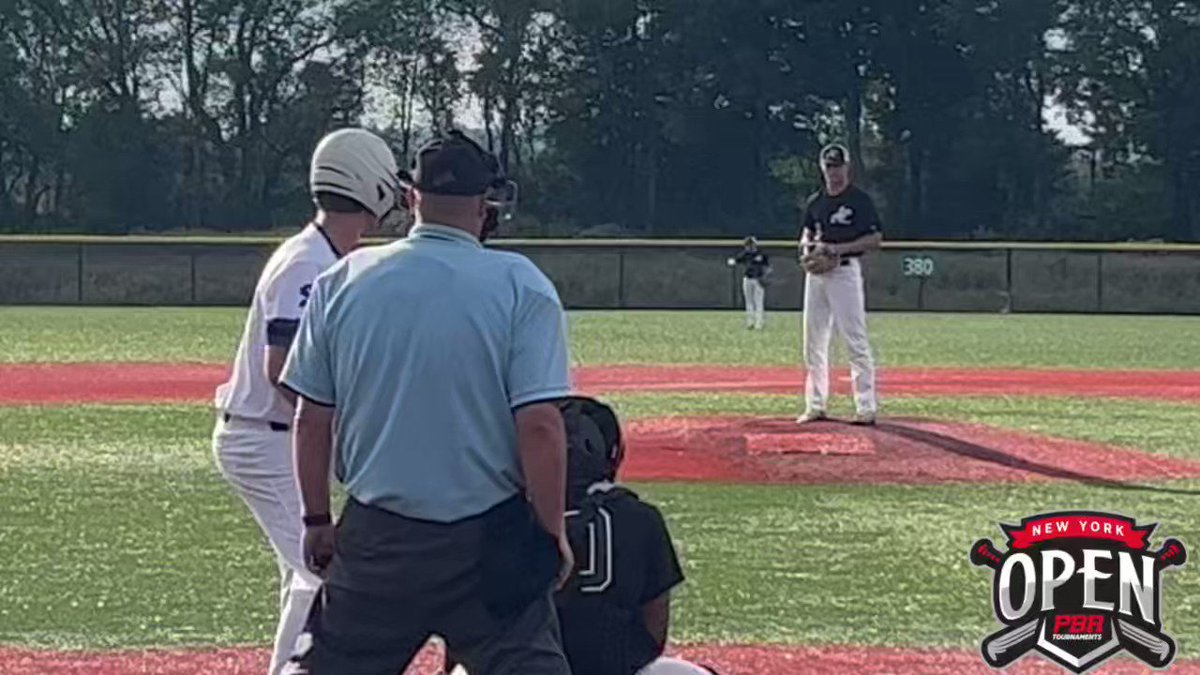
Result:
pixel 755 297
pixel 669 666
pixel 258 463
pixel 849 302
pixel 818 327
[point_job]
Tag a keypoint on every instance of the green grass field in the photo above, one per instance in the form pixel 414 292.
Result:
pixel 81 334
pixel 117 530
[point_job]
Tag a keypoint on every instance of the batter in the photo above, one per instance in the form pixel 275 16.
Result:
pixel 355 185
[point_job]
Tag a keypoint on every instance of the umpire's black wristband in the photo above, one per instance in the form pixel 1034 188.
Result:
pixel 317 519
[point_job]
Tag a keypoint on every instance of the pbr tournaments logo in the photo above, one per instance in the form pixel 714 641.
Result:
pixel 1078 587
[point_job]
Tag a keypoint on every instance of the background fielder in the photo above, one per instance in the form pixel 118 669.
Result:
pixel 840 224
pixel 754 279
pixel 354 181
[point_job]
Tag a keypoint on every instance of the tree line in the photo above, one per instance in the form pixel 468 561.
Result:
pixel 621 117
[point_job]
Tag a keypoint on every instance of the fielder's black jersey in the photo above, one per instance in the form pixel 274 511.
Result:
pixel 841 218
pixel 755 260
pixel 624 558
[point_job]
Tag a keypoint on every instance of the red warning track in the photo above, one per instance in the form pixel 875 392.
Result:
pixel 43 384
pixel 1153 384
pixel 728 660
pixel 48 384
pixel 897 451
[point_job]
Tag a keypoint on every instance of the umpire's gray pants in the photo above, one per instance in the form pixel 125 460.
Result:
pixel 483 584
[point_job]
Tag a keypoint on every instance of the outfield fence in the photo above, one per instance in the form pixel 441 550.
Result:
pixel 649 274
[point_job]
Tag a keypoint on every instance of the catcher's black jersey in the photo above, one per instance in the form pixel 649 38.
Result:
pixel 624 558
pixel 842 218
pixel 756 262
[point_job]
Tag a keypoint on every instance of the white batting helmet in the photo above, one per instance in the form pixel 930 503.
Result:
pixel 356 164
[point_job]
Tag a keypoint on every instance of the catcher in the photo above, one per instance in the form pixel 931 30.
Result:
pixel 840 225
pixel 616 608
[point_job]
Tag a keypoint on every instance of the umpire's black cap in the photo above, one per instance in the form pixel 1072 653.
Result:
pixel 454 165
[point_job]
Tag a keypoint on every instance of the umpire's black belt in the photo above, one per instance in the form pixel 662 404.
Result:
pixel 273 426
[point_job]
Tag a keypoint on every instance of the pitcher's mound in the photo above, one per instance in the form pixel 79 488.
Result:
pixel 774 450
pixel 785 437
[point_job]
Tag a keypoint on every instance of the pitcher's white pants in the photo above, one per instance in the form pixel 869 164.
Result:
pixel 835 300
pixel 755 297
pixel 258 463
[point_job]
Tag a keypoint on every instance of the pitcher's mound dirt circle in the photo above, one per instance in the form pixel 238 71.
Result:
pixel 774 450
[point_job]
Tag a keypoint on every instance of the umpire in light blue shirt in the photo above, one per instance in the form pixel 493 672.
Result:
pixel 438 362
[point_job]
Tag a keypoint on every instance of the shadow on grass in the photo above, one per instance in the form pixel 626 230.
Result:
pixel 985 454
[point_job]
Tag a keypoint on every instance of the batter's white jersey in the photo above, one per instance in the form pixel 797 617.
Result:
pixel 279 300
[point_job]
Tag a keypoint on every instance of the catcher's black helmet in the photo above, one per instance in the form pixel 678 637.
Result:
pixel 594 446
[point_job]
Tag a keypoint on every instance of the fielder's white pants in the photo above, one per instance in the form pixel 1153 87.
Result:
pixel 835 301
pixel 662 666
pixel 258 463
pixel 755 297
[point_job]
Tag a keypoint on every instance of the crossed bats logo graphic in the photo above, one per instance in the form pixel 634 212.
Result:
pixel 1147 642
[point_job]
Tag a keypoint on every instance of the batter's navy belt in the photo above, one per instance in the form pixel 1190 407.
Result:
pixel 273 426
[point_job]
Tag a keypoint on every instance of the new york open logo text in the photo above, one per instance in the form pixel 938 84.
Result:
pixel 1078 587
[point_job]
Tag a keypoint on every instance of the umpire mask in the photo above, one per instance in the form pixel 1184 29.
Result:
pixel 456 165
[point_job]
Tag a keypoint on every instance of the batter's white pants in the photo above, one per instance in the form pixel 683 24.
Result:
pixel 755 297
pixel 662 666
pixel 258 463
pixel 835 300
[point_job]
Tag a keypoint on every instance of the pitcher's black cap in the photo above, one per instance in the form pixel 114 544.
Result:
pixel 834 154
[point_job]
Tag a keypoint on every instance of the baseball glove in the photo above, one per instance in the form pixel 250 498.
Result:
pixel 819 260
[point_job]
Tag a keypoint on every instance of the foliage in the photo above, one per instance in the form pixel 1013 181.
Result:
pixel 659 117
